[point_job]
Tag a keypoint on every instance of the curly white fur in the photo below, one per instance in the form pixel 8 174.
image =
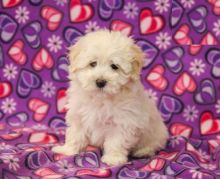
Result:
pixel 119 117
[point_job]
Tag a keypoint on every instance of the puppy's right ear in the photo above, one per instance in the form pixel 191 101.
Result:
pixel 73 53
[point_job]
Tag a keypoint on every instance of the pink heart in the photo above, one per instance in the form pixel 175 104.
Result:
pixel 102 172
pixel 179 129
pixel 12 135
pixel 168 155
pixel 42 138
pixel 39 107
pixel 47 173
pixel 52 16
pixel 124 27
pixel 150 23
pixel 5 89
pixel 216 4
pixel 156 78
pixel 192 149
pixel 42 59
pixel 16 52
pixel 80 12
pixel 154 165
pixel 208 39
pixel 184 83
pixel 182 35
pixel 213 144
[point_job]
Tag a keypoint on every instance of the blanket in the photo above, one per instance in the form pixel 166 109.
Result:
pixel 181 74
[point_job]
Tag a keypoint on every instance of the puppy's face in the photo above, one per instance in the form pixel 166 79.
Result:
pixel 105 61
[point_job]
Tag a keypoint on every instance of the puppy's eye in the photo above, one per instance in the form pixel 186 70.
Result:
pixel 93 64
pixel 114 67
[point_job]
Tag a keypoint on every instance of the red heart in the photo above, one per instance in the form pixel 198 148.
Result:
pixel 156 79
pixel 182 35
pixel 124 27
pixel 179 129
pixel 5 89
pixel 61 101
pixel 42 59
pixel 42 138
pixel 53 17
pixel 209 125
pixel 16 52
pixel 79 12
pixel 154 165
pixel 39 107
pixel 185 82
pixel 10 3
pixel 150 23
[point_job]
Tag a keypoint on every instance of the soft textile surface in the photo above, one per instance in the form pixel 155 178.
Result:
pixel 184 79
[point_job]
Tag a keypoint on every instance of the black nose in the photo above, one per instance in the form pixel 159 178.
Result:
pixel 101 83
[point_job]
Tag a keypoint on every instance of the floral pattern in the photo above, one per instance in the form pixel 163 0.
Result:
pixel 181 73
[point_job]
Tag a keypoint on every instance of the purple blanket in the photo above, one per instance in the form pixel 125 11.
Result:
pixel 181 73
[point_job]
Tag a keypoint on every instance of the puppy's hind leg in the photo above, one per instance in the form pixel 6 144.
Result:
pixel 150 143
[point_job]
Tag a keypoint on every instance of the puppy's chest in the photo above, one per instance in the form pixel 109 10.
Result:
pixel 98 113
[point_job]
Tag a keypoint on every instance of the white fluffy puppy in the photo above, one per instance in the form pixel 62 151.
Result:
pixel 107 104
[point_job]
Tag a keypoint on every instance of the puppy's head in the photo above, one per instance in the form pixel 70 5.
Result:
pixel 105 61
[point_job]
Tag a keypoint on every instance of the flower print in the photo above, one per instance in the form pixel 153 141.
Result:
pixel 22 14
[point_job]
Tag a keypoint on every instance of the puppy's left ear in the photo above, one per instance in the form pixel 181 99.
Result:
pixel 74 51
pixel 138 61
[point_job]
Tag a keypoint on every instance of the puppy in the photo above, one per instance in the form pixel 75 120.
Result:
pixel 107 105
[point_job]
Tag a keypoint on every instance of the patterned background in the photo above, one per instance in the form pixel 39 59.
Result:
pixel 182 74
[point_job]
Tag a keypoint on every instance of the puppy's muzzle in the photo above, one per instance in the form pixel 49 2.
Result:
pixel 100 83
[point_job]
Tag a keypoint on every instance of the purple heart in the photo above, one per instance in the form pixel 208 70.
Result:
pixel 31 34
pixel 87 159
pixel 71 35
pixel 197 18
pixel 187 160
pixel 106 8
pixel 1 57
pixel 213 57
pixel 37 159
pixel 8 27
pixel 25 146
pixel 206 93
pixel 60 72
pixel 177 12
pixel 150 50
pixel 36 2
pixel 1 114
pixel 17 120
pixel 126 173
pixel 10 175
pixel 172 59
pixel 26 82
pixel 57 122
pixel 168 106
pixel 174 169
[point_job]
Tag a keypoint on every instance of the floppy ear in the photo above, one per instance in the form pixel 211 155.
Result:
pixel 74 51
pixel 137 62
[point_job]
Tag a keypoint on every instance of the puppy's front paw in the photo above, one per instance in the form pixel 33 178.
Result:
pixel 65 150
pixel 114 159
